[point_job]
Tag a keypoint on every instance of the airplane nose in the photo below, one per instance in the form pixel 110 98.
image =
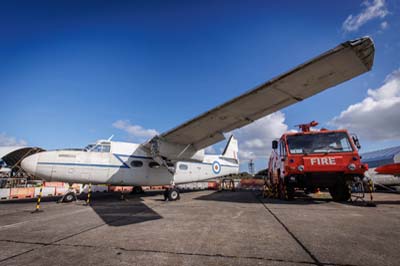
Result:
pixel 29 164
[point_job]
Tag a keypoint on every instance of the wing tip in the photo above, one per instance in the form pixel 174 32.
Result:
pixel 364 48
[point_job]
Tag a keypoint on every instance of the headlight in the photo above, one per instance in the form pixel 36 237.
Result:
pixel 352 167
pixel 300 168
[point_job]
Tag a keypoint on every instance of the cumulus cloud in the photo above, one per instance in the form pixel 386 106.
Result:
pixel 377 117
pixel 372 10
pixel 6 140
pixel 135 131
pixel 255 139
pixel 384 25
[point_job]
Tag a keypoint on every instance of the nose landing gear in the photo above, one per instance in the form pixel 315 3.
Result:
pixel 171 194
pixel 69 195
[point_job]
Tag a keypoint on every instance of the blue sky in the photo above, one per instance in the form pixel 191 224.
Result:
pixel 76 71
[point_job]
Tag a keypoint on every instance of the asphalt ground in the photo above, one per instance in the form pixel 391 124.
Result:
pixel 203 228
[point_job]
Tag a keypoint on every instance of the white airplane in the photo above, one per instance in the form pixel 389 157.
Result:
pixel 177 156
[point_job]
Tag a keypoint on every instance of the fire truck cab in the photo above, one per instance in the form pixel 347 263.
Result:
pixel 312 159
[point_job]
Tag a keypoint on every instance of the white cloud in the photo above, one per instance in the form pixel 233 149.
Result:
pixel 377 117
pixel 135 131
pixel 255 139
pixel 384 25
pixel 10 141
pixel 374 9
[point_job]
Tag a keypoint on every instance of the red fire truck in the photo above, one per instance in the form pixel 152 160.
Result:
pixel 312 159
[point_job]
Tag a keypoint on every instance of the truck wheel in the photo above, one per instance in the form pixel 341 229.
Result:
pixel 340 192
pixel 290 192
pixel 282 190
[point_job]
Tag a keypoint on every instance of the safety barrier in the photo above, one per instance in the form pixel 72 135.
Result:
pixel 59 191
pixel 53 184
pixel 251 183
pixel 119 189
pixel 194 186
pixel 212 185
pixel 156 187
pixel 22 193
pixel 46 191
pixel 4 193
pixel 100 188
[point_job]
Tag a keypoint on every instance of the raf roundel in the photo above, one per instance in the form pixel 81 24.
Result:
pixel 216 167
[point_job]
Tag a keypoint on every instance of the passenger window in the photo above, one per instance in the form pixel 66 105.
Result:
pixel 153 165
pixel 183 166
pixel 136 163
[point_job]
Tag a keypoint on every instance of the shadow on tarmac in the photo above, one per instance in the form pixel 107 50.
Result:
pixel 229 196
pixel 255 197
pixel 301 199
pixel 115 212
pixel 109 207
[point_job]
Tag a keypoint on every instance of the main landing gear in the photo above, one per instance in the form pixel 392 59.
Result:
pixel 137 190
pixel 171 194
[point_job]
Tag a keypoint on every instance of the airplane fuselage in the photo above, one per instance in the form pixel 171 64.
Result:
pixel 122 164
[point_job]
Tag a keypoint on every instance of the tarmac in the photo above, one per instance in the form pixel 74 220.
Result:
pixel 203 228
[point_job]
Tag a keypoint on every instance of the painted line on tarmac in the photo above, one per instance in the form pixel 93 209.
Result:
pixel 312 256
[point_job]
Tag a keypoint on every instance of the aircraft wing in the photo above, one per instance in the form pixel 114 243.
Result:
pixel 333 67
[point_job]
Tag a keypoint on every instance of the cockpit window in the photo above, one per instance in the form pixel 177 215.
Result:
pixel 98 148
pixel 89 147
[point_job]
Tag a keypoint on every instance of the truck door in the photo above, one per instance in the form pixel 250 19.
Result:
pixel 282 157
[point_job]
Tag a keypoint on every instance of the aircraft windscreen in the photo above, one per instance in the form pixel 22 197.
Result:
pixel 89 147
pixel 332 142
pixel 98 148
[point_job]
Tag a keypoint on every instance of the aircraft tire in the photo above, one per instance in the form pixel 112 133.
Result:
pixel 173 194
pixel 137 190
pixel 69 197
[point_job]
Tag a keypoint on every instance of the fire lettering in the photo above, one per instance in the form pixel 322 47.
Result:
pixel 323 161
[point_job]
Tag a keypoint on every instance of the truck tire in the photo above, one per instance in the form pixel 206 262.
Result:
pixel 340 192
pixel 290 192
pixel 281 190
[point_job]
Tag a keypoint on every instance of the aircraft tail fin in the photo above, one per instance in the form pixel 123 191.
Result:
pixel 231 150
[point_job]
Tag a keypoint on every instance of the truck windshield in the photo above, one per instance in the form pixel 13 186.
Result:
pixel 332 142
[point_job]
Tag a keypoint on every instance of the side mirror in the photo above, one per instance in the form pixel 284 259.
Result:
pixel 356 141
pixel 274 144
